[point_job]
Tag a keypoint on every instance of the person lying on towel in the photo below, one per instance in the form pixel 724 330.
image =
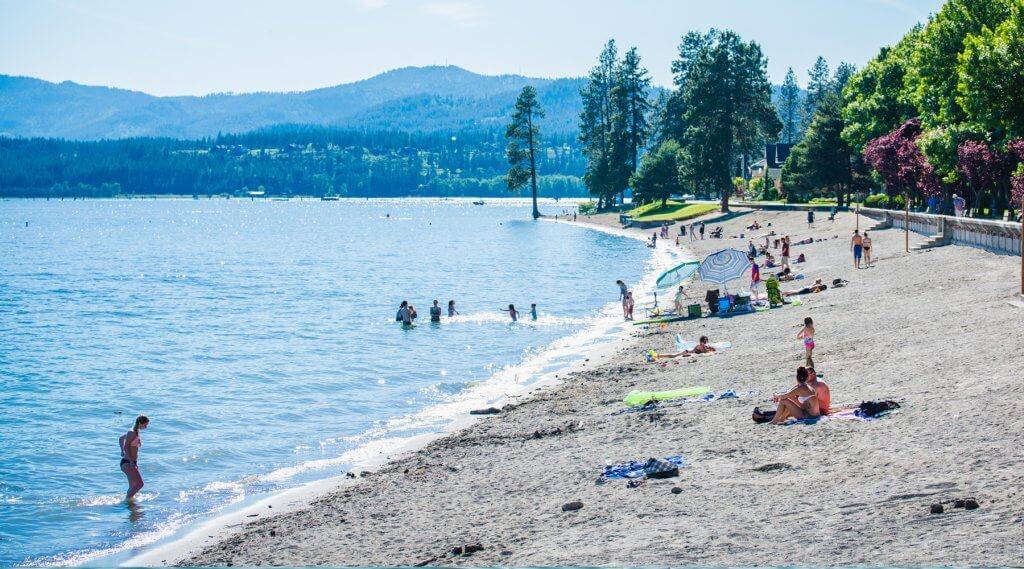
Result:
pixel 818 286
pixel 702 347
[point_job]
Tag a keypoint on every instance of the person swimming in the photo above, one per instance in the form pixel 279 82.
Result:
pixel 130 443
pixel 451 309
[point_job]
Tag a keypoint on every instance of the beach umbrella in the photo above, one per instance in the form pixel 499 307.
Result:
pixel 724 266
pixel 677 274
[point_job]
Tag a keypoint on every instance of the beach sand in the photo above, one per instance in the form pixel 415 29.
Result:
pixel 933 330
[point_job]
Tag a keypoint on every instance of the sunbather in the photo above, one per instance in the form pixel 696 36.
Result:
pixel 702 347
pixel 801 402
pixel 818 286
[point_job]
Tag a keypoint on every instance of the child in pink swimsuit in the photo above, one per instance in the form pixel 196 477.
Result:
pixel 807 335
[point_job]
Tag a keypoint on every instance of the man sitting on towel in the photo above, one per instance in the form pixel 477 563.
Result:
pixel 821 390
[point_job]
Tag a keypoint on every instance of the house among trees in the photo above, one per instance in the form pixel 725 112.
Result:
pixel 775 155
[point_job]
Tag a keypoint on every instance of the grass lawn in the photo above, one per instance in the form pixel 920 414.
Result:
pixel 672 211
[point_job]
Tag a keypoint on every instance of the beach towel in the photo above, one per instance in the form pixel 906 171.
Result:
pixel 705 398
pixel 637 398
pixel 655 468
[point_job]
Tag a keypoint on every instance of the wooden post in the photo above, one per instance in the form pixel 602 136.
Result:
pixel 906 223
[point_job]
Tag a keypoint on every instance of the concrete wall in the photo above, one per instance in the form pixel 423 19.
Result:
pixel 997 236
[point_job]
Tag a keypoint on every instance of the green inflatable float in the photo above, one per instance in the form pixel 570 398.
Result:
pixel 638 398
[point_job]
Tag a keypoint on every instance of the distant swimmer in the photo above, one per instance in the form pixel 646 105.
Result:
pixel 130 443
pixel 533 311
pixel 512 312
pixel 435 312
pixel 451 309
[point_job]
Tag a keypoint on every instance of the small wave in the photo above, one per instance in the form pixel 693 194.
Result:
pixel 524 320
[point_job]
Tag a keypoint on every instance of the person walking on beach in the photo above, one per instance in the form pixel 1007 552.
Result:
pixel 807 335
pixel 693 226
pixel 435 312
pixel 857 244
pixel 451 309
pixel 679 300
pixel 702 231
pixel 867 249
pixel 130 444
pixel 623 292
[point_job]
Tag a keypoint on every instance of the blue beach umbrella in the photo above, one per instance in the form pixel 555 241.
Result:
pixel 724 266
pixel 677 274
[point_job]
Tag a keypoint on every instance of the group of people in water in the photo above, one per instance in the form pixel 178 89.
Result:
pixel 407 313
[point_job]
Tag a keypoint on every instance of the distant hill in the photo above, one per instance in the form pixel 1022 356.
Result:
pixel 411 99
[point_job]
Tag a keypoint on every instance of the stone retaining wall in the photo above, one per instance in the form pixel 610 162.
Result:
pixel 997 236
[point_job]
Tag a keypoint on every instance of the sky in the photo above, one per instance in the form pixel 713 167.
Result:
pixel 189 47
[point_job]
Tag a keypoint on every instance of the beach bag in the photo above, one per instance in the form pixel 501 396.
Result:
pixel 760 416
pixel 658 468
pixel 693 311
pixel 871 409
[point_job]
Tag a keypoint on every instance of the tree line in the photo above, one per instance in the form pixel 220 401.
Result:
pixel 940 113
pixel 283 160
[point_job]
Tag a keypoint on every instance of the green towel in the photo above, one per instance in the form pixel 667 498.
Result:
pixel 638 398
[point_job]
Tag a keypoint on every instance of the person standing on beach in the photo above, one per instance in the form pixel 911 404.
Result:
pixel 451 309
pixel 435 312
pixel 867 249
pixel 702 231
pixel 959 205
pixel 755 276
pixel 680 300
pixel 623 292
pixel 629 305
pixel 807 335
pixel 693 226
pixel 785 252
pixel 857 244
pixel 810 218
pixel 130 444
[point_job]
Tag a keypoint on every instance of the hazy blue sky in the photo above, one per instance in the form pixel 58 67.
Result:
pixel 198 47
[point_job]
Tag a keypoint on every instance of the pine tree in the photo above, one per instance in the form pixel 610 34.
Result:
pixel 631 108
pixel 818 85
pixel 523 137
pixel 596 127
pixel 790 95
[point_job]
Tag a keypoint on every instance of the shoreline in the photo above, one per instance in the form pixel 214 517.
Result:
pixel 930 330
pixel 192 538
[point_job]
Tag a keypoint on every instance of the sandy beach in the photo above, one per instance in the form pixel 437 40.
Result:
pixel 932 330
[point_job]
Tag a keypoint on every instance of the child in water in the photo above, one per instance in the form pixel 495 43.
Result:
pixel 533 311
pixel 512 312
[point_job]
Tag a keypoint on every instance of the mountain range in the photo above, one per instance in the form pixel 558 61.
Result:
pixel 411 99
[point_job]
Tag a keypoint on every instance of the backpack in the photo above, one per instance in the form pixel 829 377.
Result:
pixel 760 416
pixel 871 409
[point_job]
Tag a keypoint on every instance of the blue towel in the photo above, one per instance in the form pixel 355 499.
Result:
pixel 636 469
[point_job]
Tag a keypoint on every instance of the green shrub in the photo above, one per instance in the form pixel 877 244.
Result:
pixel 824 201
pixel 587 208
pixel 897 202
pixel 877 200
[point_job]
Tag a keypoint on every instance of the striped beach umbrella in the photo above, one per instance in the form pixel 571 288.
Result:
pixel 677 274
pixel 724 266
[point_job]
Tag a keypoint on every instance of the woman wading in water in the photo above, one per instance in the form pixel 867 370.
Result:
pixel 130 443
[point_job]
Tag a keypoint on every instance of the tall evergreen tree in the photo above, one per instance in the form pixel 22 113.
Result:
pixel 818 85
pixel 523 137
pixel 726 106
pixel 841 77
pixel 631 109
pixel 790 99
pixel 596 127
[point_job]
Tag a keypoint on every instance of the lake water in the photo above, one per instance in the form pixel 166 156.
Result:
pixel 259 337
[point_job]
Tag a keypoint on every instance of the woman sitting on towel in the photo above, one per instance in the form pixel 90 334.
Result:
pixel 801 402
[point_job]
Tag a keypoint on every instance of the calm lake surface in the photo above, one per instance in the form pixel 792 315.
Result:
pixel 260 339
